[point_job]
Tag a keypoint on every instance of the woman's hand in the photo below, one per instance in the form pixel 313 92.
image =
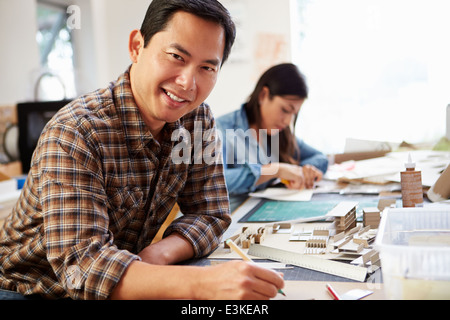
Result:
pixel 293 176
pixel 297 177
pixel 311 175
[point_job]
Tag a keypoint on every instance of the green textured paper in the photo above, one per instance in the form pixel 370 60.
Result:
pixel 270 210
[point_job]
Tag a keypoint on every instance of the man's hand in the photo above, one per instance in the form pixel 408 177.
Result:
pixel 239 280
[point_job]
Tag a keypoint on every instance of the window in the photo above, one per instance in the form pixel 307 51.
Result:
pixel 56 79
pixel 377 70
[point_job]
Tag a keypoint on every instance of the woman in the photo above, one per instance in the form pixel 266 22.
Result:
pixel 259 141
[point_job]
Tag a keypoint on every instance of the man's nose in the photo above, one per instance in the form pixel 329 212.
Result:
pixel 187 79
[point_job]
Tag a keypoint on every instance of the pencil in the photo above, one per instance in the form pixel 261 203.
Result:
pixel 244 257
pixel 332 292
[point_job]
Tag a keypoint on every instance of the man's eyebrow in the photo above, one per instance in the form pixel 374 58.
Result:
pixel 181 49
pixel 214 62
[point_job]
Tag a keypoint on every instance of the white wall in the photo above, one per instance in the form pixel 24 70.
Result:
pixel 113 20
pixel 19 55
pixel 263 39
pixel 257 20
pixel 101 44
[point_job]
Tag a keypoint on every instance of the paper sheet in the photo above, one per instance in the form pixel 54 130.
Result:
pixel 388 168
pixel 283 194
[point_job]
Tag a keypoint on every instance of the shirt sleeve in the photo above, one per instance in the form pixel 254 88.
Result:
pixel 311 156
pixel 242 178
pixel 80 246
pixel 204 198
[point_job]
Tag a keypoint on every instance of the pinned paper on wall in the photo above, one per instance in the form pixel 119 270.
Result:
pixel 270 50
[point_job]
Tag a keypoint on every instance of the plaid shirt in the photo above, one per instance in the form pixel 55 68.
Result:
pixel 99 189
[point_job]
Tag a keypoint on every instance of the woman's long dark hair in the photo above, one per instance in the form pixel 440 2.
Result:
pixel 281 80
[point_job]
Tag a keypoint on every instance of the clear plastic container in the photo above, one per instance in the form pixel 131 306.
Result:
pixel 414 246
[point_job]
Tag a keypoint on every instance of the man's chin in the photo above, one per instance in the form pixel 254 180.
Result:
pixel 174 116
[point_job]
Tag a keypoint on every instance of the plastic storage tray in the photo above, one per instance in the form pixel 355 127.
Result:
pixel 414 245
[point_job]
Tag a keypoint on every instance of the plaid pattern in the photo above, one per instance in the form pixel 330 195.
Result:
pixel 99 189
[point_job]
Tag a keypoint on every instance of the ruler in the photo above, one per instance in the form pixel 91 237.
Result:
pixel 309 262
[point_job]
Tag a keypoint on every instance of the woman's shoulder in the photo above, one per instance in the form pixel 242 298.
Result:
pixel 232 119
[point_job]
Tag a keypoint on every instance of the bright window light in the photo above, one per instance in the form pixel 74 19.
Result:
pixel 56 80
pixel 377 70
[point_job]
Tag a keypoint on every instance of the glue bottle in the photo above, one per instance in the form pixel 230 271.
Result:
pixel 411 183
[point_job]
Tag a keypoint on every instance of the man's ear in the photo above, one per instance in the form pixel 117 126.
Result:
pixel 135 45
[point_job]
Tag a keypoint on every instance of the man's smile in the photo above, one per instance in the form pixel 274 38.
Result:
pixel 174 97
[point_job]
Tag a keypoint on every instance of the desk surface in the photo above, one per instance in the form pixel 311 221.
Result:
pixel 316 290
pixel 243 204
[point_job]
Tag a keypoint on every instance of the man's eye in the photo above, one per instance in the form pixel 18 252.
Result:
pixel 176 56
pixel 209 69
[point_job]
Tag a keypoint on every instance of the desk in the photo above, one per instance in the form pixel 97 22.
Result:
pixel 297 278
pixel 315 290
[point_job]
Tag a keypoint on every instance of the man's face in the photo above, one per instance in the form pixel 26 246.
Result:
pixel 177 70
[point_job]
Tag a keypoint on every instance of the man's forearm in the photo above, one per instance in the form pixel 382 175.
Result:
pixel 151 278
pixel 232 280
pixel 143 281
pixel 170 250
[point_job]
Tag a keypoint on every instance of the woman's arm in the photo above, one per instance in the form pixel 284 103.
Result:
pixel 284 171
pixel 312 156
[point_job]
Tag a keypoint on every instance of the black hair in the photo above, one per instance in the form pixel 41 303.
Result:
pixel 160 12
pixel 283 80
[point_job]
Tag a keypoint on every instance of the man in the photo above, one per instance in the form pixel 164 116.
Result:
pixel 103 179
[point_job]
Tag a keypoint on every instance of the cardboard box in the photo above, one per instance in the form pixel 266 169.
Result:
pixel 11 169
pixel 356 156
